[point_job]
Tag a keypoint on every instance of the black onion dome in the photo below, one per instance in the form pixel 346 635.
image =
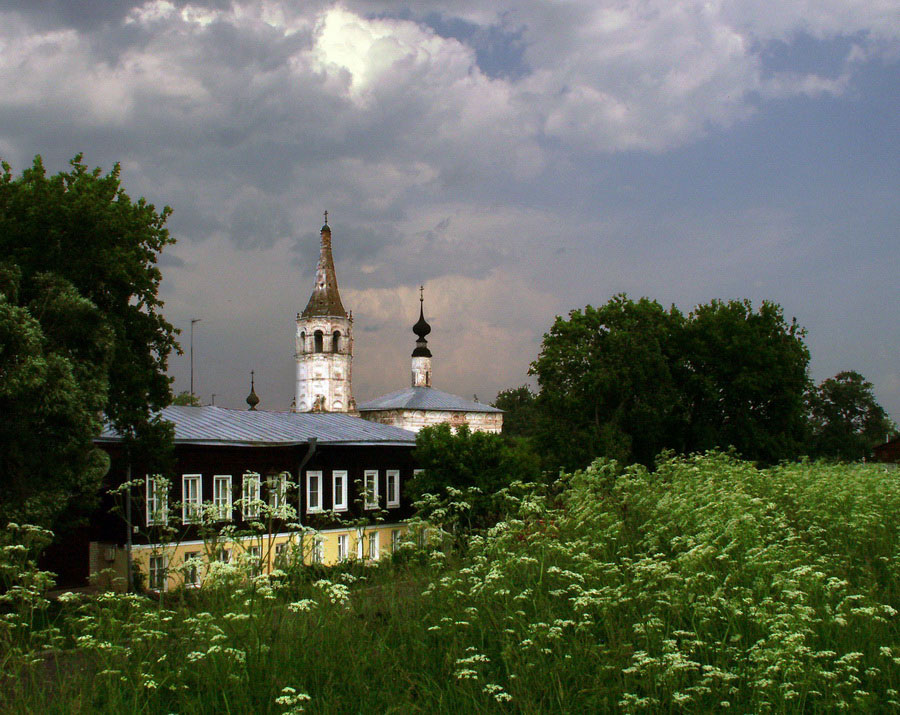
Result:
pixel 252 399
pixel 421 328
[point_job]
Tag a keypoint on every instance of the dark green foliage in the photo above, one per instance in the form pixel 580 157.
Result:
pixel 186 398
pixel 744 380
pixel 846 420
pixel 519 411
pixel 630 379
pixel 82 226
pixel 478 464
pixel 54 353
pixel 607 383
pixel 82 332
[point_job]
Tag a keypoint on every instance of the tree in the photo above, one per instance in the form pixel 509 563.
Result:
pixel 630 379
pixel 744 378
pixel 607 383
pixel 478 464
pixel 83 334
pixel 54 352
pixel 186 398
pixel 519 411
pixel 846 420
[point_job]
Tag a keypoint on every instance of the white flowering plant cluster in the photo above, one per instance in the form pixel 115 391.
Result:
pixel 704 585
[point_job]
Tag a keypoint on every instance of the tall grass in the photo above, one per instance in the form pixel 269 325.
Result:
pixel 705 585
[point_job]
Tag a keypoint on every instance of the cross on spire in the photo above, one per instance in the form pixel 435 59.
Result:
pixel 421 294
pixel 326 218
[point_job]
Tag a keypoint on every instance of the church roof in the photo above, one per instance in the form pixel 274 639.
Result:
pixel 210 425
pixel 325 299
pixel 424 398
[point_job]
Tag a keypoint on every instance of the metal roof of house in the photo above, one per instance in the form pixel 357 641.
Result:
pixel 211 425
pixel 424 398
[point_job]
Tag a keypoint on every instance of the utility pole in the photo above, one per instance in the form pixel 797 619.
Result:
pixel 193 320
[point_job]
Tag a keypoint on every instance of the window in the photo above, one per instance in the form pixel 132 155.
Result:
pixel 313 491
pixel 339 484
pixel 336 341
pixel 370 487
pixel 224 555
pixel 282 553
pixel 253 556
pixel 393 487
pixel 157 493
pixel 396 535
pixel 250 495
pixel 317 341
pixel 278 493
pixel 367 545
pixel 191 490
pixel 222 496
pixel 318 549
pixel 157 576
pixel 191 568
pixel 342 547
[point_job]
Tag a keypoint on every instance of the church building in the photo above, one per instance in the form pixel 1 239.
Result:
pixel 325 352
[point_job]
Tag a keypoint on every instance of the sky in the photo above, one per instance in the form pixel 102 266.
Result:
pixel 518 158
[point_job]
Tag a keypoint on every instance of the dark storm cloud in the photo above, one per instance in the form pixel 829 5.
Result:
pixel 520 159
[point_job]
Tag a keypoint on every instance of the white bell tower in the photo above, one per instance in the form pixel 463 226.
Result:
pixel 324 343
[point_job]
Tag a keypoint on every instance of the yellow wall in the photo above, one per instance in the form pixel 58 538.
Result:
pixel 174 554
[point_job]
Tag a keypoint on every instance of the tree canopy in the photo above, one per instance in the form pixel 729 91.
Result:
pixel 82 332
pixel 846 420
pixel 631 378
pixel 478 464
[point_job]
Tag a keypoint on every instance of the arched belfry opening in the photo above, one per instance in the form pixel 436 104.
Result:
pixel 324 362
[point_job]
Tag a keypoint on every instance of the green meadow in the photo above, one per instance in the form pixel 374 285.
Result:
pixel 706 585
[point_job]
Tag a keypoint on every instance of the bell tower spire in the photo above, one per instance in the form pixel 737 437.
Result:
pixel 421 355
pixel 324 351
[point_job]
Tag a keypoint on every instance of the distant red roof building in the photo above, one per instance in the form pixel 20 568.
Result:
pixel 889 451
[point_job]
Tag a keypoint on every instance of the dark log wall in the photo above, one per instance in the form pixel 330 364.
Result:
pixel 211 460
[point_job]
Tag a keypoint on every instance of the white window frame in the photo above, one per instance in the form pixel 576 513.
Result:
pixel 277 484
pixel 311 476
pixel 156 500
pixel 250 495
pixel 373 492
pixel 254 559
pixel 393 484
pixel 191 505
pixel 158 573
pixel 374 543
pixel 223 506
pixel 223 555
pixel 318 550
pixel 396 536
pixel 192 571
pixel 339 495
pixel 343 547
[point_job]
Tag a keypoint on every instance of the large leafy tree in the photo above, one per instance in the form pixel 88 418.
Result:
pixel 744 378
pixel 83 335
pixel 519 411
pixel 846 420
pixel 630 378
pixel 607 383
pixel 477 464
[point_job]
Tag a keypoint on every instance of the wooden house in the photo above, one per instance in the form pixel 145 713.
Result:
pixel 251 485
